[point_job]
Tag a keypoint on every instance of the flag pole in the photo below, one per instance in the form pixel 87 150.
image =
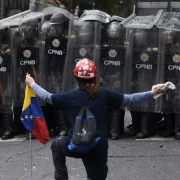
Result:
pixel 30 142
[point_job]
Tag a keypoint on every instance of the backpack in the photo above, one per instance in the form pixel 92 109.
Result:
pixel 85 135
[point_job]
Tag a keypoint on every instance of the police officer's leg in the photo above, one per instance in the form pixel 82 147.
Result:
pixel 96 165
pixel 62 123
pixel 169 125
pixel 152 123
pixel 136 122
pixel 7 126
pixel 59 158
pixel 147 119
pixel 117 123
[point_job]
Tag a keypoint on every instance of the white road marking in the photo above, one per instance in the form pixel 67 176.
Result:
pixel 156 139
pixel 18 139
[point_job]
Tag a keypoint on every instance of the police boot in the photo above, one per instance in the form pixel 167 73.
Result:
pixel 169 125
pixel 177 126
pixel 7 126
pixel 117 123
pixel 144 127
pixel 136 123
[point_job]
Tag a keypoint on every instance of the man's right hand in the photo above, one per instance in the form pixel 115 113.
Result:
pixel 29 81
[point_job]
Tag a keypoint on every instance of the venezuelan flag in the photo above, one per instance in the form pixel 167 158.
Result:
pixel 32 116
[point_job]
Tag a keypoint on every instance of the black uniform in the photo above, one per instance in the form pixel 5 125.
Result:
pixel 172 73
pixel 55 38
pixel 6 92
pixel 111 70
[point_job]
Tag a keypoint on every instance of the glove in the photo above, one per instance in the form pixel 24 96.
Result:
pixel 29 80
pixel 159 89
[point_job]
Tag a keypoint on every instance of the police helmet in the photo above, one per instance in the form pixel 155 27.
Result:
pixel 141 36
pixel 114 30
pixel 85 32
pixel 46 27
pixel 59 22
pixel 29 30
pixel 58 18
pixel 169 36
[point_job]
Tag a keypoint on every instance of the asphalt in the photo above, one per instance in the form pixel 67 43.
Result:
pixel 154 158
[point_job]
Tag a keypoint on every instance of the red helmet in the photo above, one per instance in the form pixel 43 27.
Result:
pixel 85 69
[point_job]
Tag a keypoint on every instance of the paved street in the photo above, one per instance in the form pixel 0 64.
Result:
pixel 129 159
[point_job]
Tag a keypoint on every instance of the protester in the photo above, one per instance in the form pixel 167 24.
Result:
pixel 97 100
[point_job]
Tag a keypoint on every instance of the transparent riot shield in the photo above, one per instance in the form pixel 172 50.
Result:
pixel 112 56
pixel 141 65
pixel 26 46
pixel 171 99
pixel 53 54
pixel 84 41
pixel 143 22
pixel 169 21
pixel 6 72
pixel 170 48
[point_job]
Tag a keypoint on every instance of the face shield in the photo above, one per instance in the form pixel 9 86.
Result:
pixel 169 37
pixel 59 23
pixel 140 37
pixel 29 32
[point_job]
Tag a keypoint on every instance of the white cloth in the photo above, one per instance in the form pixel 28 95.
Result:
pixel 167 85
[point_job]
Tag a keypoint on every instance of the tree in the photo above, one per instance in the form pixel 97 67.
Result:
pixel 112 7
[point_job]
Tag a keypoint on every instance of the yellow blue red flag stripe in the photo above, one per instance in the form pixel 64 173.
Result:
pixel 32 116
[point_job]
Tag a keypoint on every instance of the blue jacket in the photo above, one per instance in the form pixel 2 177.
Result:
pixel 73 101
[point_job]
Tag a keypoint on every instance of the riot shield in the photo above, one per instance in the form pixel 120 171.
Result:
pixel 170 48
pixel 54 38
pixel 143 22
pixel 171 99
pixel 112 56
pixel 55 10
pixel 141 65
pixel 26 46
pixel 169 21
pixel 84 42
pixel 6 72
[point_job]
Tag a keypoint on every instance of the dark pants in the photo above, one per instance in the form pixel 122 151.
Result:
pixel 95 161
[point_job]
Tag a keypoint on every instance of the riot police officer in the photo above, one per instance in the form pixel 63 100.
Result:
pixel 55 36
pixel 26 47
pixel 111 69
pixel 6 131
pixel 84 40
pixel 144 61
pixel 171 99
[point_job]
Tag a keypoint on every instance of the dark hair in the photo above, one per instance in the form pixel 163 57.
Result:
pixel 93 90
pixel 89 85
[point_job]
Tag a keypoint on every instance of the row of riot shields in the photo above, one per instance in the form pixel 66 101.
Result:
pixel 128 60
pixel 152 57
pixel 31 43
